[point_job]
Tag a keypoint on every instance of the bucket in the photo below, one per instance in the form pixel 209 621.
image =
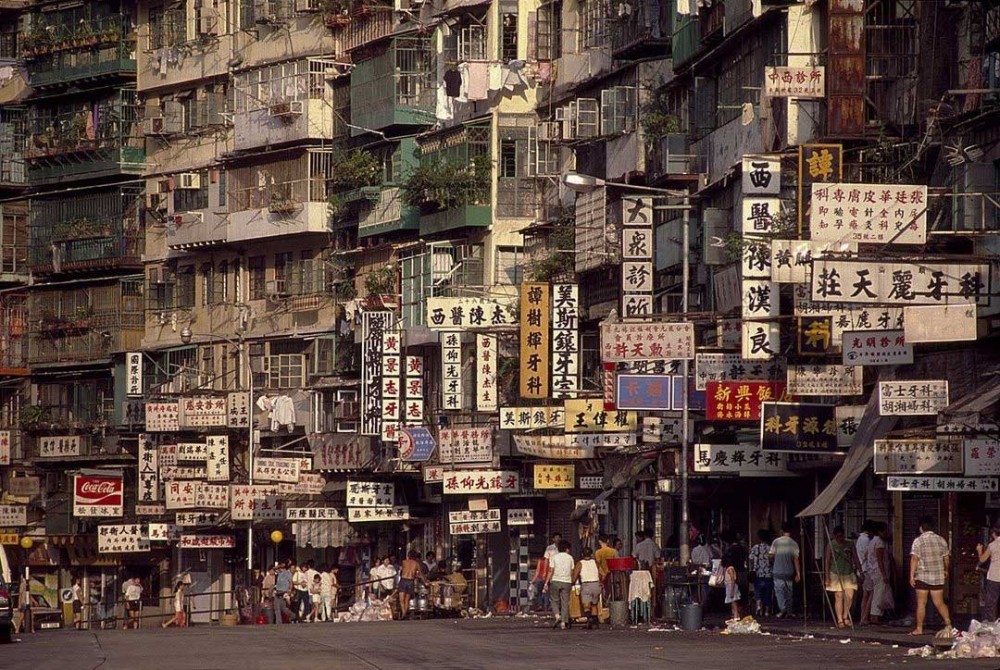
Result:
pixel 691 616
pixel 228 619
pixel 619 613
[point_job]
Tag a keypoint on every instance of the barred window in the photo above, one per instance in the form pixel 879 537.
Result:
pixel 255 270
pixel 594 27
pixel 509 265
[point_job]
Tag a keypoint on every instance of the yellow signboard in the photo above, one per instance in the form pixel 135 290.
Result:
pixel 9 538
pixel 589 416
pixel 535 314
pixel 555 476
pixel 817 163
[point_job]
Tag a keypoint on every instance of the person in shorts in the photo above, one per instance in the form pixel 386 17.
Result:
pixel 408 573
pixel 589 575
pixel 133 600
pixel 77 591
pixel 929 561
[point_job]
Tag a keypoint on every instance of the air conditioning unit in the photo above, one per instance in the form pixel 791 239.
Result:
pixel 153 126
pixel 549 131
pixel 291 108
pixel 188 181
pixel 275 288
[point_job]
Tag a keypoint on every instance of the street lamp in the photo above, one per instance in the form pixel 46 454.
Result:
pixel 584 183
pixel 186 336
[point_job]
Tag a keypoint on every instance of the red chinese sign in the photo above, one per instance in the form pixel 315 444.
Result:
pixel 98 496
pixel 739 400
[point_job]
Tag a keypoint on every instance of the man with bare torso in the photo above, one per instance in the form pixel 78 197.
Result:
pixel 408 573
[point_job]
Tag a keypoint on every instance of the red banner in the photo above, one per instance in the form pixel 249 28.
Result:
pixel 739 400
pixel 98 495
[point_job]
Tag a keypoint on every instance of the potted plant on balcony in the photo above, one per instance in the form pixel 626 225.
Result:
pixel 39 41
pixel 356 170
pixel 336 13
pixel 380 287
pixel 281 201
pixel 445 184
pixel 557 264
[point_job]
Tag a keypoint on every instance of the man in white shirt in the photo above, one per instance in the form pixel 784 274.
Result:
pixel 646 551
pixel 861 548
pixel 701 556
pixel 559 584
pixel 302 603
pixel 310 572
pixel 133 599
pixel 876 573
pixel 553 547
pixel 383 578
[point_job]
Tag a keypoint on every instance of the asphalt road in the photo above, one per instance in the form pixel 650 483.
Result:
pixel 444 645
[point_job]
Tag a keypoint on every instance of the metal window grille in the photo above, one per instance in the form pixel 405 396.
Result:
pixel 594 23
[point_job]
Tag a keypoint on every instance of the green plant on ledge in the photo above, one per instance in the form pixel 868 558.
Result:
pixel 559 261
pixel 357 169
pixel 655 116
pixel 445 184
pixel 381 281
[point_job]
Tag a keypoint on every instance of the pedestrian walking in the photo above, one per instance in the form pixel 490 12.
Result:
pixel 588 574
pixel 316 598
pixel 180 618
pixel 733 594
pixel 867 585
pixel 328 592
pixel 77 591
pixel 282 593
pixel 840 566
pixel 409 571
pixel 785 569
pixel 759 563
pixel 559 584
pixel 929 560
pixel 133 602
pixel 877 572
pixel 383 577
pixel 991 594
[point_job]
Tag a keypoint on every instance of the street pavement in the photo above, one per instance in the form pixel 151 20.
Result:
pixel 497 644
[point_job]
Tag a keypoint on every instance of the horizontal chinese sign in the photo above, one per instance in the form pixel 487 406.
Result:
pixel 869 213
pixel 982 456
pixel 953 484
pixel 197 518
pixel 644 341
pixel 877 283
pixel 554 476
pixel 465 445
pixel 207 542
pixel 590 482
pixel 474 527
pixel 370 494
pixel 551 446
pixel 791 260
pixel 733 367
pixel 467 313
pixel 600 439
pixel 645 392
pixel 365 514
pixel 589 416
pixel 57 446
pixel 121 538
pixel 276 469
pixel 940 323
pixel 795 82
pixel 481 481
pixel 825 380
pixel 873 347
pixel 846 316
pixel 918 457
pixel 520 516
pixel 150 509
pixel 257 502
pixel 912 398
pixel 798 427
pixel 162 417
pixel 164 532
pixel 203 412
pixel 13 515
pixel 737 459
pixel 465 515
pixel 739 401
pixel 314 514
pixel 528 418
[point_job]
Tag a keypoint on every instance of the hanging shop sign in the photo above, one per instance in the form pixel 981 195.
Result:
pixel 197 518
pixel 9 538
pixel 802 428
pixel 156 509
pixel 758 215
pixel 817 163
pixel 664 429
pixel 203 412
pixel 848 421
pixel 872 282
pixel 589 416
pixel 212 496
pixel 608 440
pixel 646 341
pixel 5 447
pixel 256 502
pixel 548 476
pixel 416 444
pixel 451 370
pixel 942 484
pixel 795 82
pixel 148 489
pixel 309 484
pixel 133 374
pixel 162 417
pixel 733 367
pixel 180 494
pixel 912 398
pixel 637 249
pixel 24 486
pixel 474 527
pixel 601 507
pixel 940 323
pixel 413 390
pixel 552 447
pixel 465 516
pixel 217 458
pixel 813 335
pixel 873 347
pixel 369 514
pixel 465 445
pixel 192 451
pixel 370 494
pixel 535 336
pixel 528 418
pixel 760 340
pixel 207 542
pixel 729 333
pixel 643 392
pixel 334 451
pixel 565 340
pixel 481 481
pixel 791 260
pixel 60 446
pixel 761 175
pixel 122 539
pixel 392 385
pixel 238 409
pixel 653 366
pixel 737 459
pixel 315 514
pixel 982 456
pixel 98 495
pixel 172 472
pixel 590 482
pixel 13 515
pixel 755 259
pixel 433 474
pixel 524 516
pixel 918 457
pixel 373 325
pixel 869 213
pixel 486 373
pixel 168 457
pixel 467 314
pixel 825 379
pixel 164 532
pixel 760 299
pixel 739 401
pixel 846 316
pixel 276 469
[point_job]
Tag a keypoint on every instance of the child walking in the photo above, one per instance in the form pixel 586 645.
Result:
pixel 733 594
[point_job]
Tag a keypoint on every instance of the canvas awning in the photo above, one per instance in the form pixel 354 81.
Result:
pixel 971 405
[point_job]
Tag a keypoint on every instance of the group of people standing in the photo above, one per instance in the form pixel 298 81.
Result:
pixel 299 593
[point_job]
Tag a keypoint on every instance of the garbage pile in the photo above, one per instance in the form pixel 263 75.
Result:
pixel 372 609
pixel 745 626
pixel 981 640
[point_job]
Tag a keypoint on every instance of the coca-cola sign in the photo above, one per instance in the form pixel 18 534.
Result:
pixel 97 495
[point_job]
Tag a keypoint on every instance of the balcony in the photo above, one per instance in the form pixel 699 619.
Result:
pixel 92 138
pixel 196 229
pixel 61 52
pixel 87 232
pixel 13 243
pixel 463 216
pixel 86 324
pixel 13 331
pixel 388 214
pixel 644 29
pixel 668 158
pixel 13 122
pixel 393 86
pixel 686 40
pixel 363 24
pixel 288 208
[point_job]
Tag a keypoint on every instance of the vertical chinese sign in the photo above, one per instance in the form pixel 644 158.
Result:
pixel 566 340
pixel 486 376
pixel 451 370
pixel 217 458
pixel 413 393
pixel 818 163
pixel 133 374
pixel 637 257
pixel 149 471
pixel 373 325
pixel 392 395
pixel 534 378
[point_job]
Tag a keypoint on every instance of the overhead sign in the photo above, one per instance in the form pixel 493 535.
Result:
pixel 798 428
pixel 162 417
pixel 416 444
pixel 257 502
pixel 912 398
pixel 207 542
pixel 534 359
pixel 848 421
pixel 452 386
pixel 121 539
pixel 369 514
pixel 217 458
pixel 565 340
pixel 238 409
pixel 98 496
pixel 761 175
pixel 940 323
pixel 739 401
pixel 795 82
pixel 645 392
pixel 589 416
pixel 486 373
pixel 520 517
pixel 548 476
pixel 871 282
pixel 552 447
pixel 869 213
pixel 164 532
pixel 474 527
pixel 180 494
pixel 737 459
pixel 943 484
pixel 149 471
pixel 918 457
pixel 791 260
pixel 638 246
pixel 846 316
pixel 760 299
pixel 203 412
pixel 825 380
pixel 757 215
pixel 467 314
pixel 481 481
pixel 59 446
pixel 465 445
pixel 315 514
pixel 197 518
pixel 465 515
pixel 370 494
pixel 646 341
pixel 872 347
pixel 133 374
pixel 528 418
pixel 733 367
pixel 813 335
pixel 276 469
pixel 214 496
pixel 760 340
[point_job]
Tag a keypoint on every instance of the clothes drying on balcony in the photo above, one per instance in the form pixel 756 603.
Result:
pixel 281 411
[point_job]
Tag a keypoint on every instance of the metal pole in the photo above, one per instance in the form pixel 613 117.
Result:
pixel 245 355
pixel 685 281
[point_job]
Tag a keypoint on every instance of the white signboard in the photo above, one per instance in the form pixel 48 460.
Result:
pixel 170 472
pixel 366 514
pixel 121 539
pixel 761 339
pixel 608 440
pixel 795 82
pixel 217 458
pixel 940 323
pixel 825 380
pixel 238 408
pixel 528 418
pixel 197 518
pixel 918 457
pixel 463 516
pixel 948 484
pixel 451 370
pixel 164 532
pixel 602 507
pixel 162 417
pixel 869 213
pixel 486 373
pixel 912 398
pixel 755 259
pixel 474 527
pixel 590 482
pixel 58 446
pixel 468 313
pixel 757 215
pixel 520 516
pixel 760 299
pixel 873 282
pixel 565 340
pixel 180 494
pixel 873 347
pixel 392 385
pixel 156 509
pixel 276 469
pixel 192 451
pixel 133 374
pixel 982 456
pixel 257 502
pixel 309 484
pixel 846 316
pixel 733 367
pixel 553 447
pixel 465 445
pixel 315 514
pixel 433 474
pixel 848 421
pixel 738 459
pixel 214 496
pixel 646 341
pixel 791 260
pixel 761 175
pixel 203 412
pixel 481 481
pixel 413 390
pixel 370 494
pixel 149 471
pixel 13 515
pixel 207 542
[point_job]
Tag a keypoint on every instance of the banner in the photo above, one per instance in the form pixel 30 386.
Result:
pixel 798 428
pixel 912 398
pixel 98 496
pixel 646 341
pixel 534 359
pixel 739 401
pixel 918 457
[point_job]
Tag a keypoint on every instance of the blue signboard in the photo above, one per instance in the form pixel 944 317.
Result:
pixel 652 392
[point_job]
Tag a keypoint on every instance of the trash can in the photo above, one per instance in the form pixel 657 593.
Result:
pixel 691 616
pixel 671 603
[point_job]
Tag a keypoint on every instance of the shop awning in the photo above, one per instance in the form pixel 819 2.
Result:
pixel 975 403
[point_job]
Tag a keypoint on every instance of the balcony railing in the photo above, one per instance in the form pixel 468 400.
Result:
pixel 686 40
pixel 13 332
pixel 395 86
pixel 88 50
pixel 363 25
pixel 13 121
pixel 286 208
pixel 645 29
